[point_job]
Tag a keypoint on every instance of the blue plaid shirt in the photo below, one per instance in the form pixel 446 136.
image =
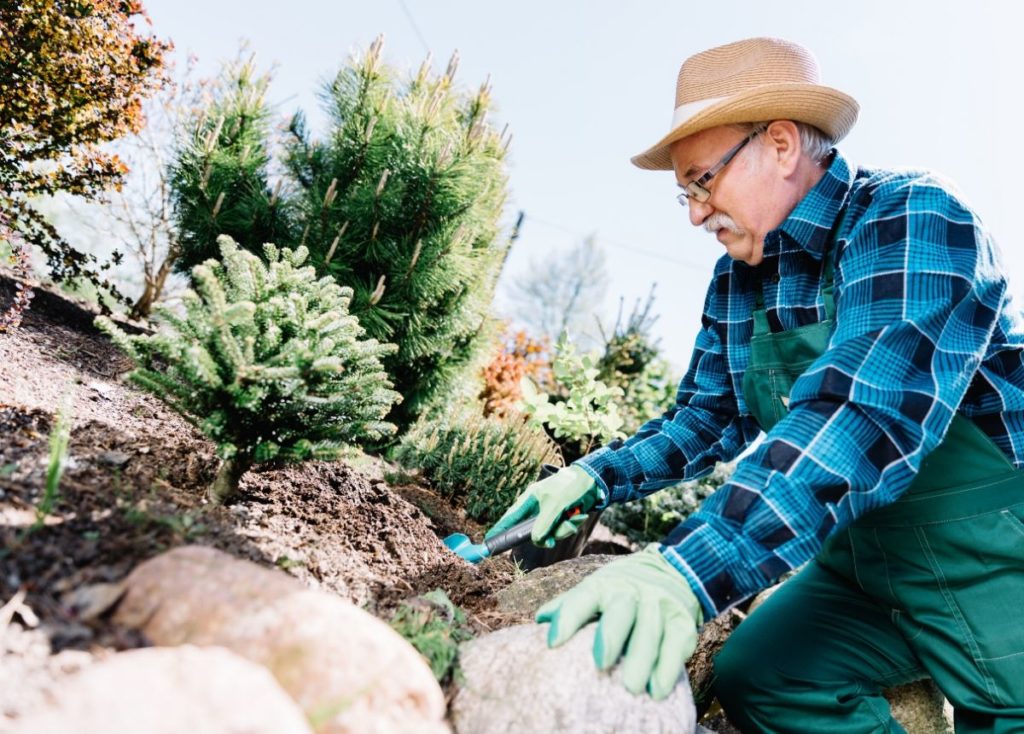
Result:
pixel 924 328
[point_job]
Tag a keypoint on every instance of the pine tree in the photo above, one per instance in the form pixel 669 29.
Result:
pixel 399 201
pixel 219 175
pixel 266 361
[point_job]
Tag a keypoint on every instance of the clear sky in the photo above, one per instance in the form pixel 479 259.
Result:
pixel 585 85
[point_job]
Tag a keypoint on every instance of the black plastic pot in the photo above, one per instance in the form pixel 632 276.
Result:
pixel 530 556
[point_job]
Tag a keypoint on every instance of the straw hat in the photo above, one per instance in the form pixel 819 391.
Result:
pixel 755 80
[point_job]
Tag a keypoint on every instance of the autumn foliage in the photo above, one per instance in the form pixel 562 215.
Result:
pixel 73 75
pixel 518 357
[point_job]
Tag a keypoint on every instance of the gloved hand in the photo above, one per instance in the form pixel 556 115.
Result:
pixel 639 597
pixel 548 499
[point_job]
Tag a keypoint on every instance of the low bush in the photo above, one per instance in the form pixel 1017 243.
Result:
pixel 651 518
pixel 483 462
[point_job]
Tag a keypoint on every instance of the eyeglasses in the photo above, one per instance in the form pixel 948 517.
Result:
pixel 697 189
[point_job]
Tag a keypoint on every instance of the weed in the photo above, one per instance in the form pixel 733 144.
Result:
pixel 60 436
pixel 185 526
pixel 8 469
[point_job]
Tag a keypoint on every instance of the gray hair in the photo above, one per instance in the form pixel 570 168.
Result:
pixel 813 141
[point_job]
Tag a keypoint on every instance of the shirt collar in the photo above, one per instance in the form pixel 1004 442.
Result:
pixel 811 222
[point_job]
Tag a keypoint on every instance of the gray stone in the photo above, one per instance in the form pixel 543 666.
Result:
pixel 514 684
pixel 168 691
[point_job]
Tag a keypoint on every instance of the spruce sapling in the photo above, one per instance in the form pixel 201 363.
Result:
pixel 266 361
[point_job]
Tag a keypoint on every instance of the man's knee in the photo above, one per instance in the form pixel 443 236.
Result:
pixel 740 679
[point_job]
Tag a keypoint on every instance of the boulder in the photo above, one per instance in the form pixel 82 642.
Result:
pixel 514 684
pixel 347 670
pixel 168 690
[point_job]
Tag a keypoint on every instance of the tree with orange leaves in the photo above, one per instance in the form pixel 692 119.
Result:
pixel 73 75
pixel 518 357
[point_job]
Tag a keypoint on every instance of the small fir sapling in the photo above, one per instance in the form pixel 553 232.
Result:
pixel 266 361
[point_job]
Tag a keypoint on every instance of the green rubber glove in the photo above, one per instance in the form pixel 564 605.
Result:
pixel 640 598
pixel 548 499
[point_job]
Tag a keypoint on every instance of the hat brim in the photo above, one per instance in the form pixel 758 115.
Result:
pixel 831 111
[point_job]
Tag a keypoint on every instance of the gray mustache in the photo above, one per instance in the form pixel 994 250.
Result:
pixel 718 221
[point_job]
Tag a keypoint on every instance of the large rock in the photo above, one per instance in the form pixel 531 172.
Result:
pixel 169 691
pixel 514 684
pixel 347 670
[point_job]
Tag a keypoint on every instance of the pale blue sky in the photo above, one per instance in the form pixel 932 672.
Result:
pixel 585 85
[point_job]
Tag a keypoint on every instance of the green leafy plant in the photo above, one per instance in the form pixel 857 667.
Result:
pixel 585 415
pixel 651 518
pixel 266 361
pixel 399 201
pixel 435 627
pixel 485 462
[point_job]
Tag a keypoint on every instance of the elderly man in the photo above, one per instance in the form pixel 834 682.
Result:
pixel 861 319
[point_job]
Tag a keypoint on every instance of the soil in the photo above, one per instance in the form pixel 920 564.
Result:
pixel 134 486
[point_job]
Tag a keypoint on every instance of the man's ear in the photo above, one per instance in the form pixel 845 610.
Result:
pixel 783 138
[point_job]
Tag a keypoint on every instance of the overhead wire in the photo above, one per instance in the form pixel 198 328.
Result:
pixel 415 28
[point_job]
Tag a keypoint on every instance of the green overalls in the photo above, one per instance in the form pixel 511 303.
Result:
pixel 930 586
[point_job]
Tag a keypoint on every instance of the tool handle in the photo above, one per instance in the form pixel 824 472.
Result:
pixel 517 534
pixel 511 537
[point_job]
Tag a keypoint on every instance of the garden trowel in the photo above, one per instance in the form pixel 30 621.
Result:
pixel 476 552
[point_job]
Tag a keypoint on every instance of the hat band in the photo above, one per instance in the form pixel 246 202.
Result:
pixel 684 112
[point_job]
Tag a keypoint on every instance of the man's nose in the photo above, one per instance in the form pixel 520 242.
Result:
pixel 699 212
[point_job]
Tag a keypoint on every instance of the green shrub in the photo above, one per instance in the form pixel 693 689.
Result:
pixel 484 462
pixel 651 518
pixel 435 627
pixel 266 362
pixel 399 201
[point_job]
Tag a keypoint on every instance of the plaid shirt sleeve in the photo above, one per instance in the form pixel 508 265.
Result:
pixel 700 430
pixel 919 291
